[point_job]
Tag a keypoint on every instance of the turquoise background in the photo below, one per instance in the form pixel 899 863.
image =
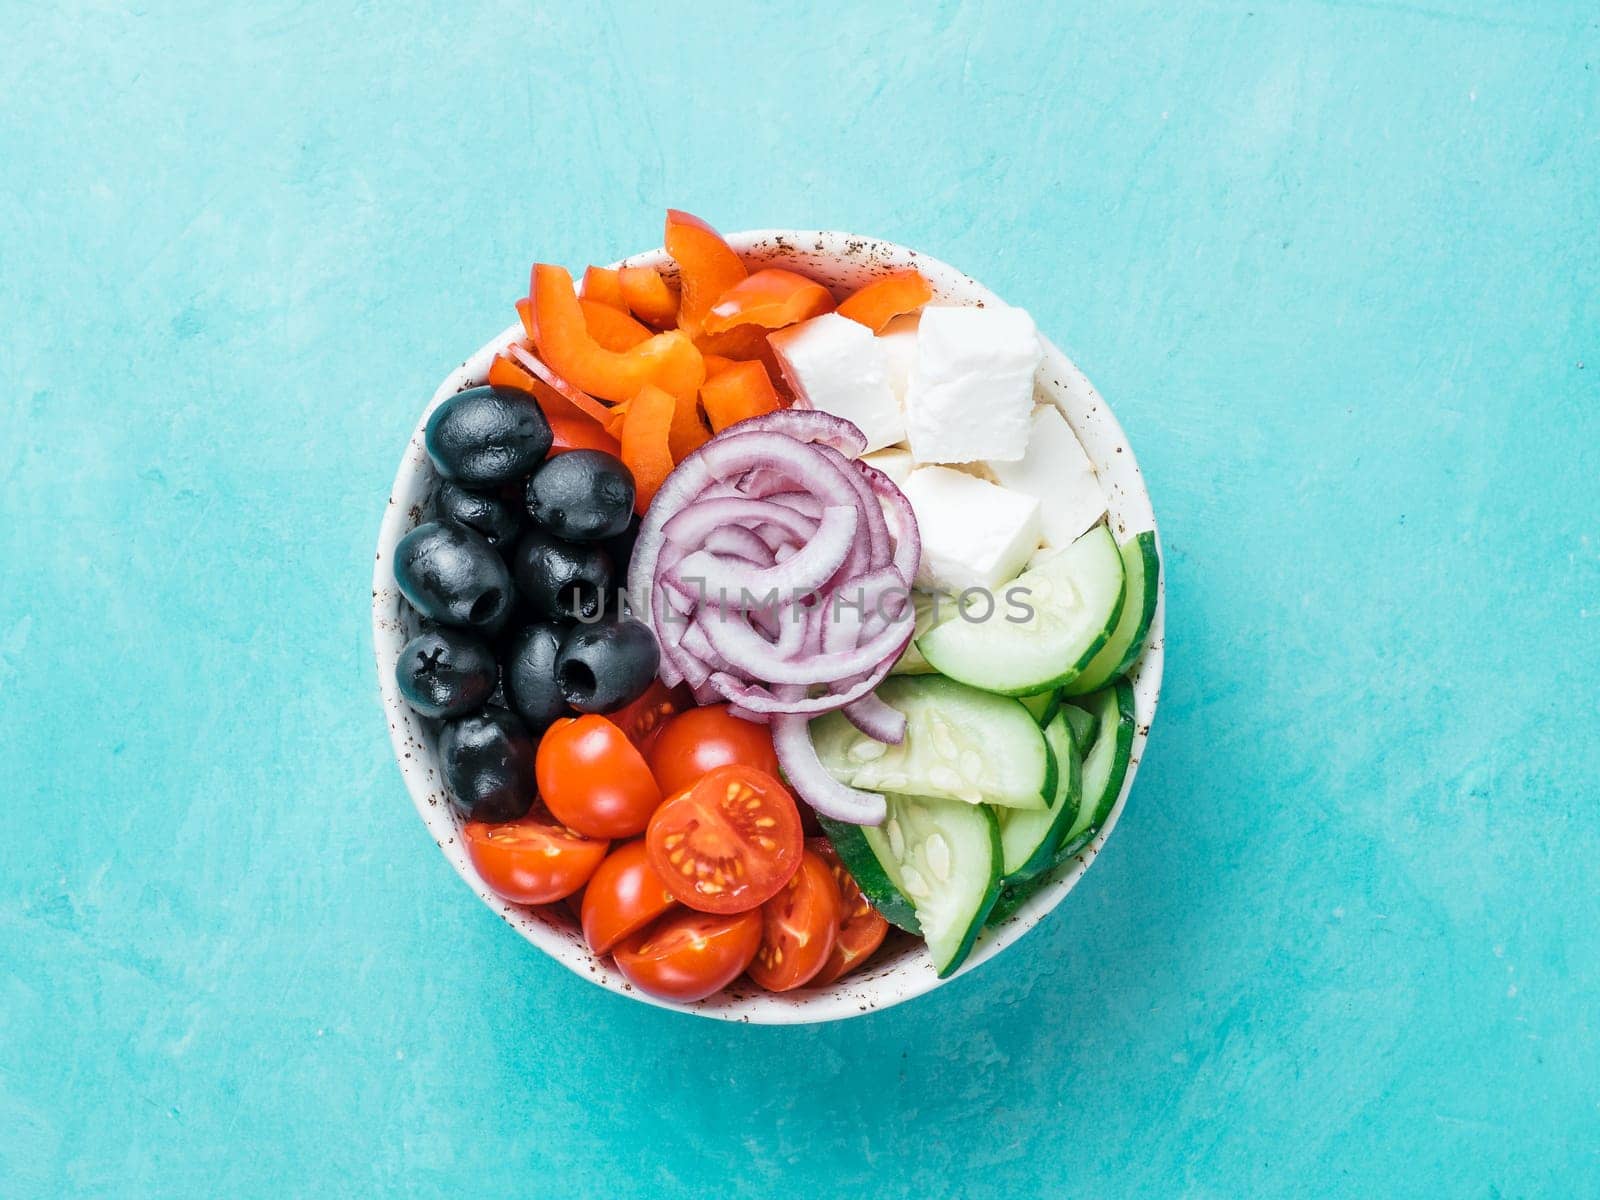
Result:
pixel 1333 264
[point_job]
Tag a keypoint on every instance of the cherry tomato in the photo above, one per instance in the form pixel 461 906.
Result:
pixel 688 955
pixel 644 719
pixel 798 927
pixel 728 843
pixel 703 739
pixel 594 780
pixel 861 927
pixel 624 895
pixel 531 861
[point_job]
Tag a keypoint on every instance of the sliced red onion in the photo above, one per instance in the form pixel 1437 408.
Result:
pixel 748 653
pixel 757 698
pixel 732 541
pixel 695 523
pixel 879 721
pixel 808 425
pixel 711 579
pixel 791 738
pixel 907 537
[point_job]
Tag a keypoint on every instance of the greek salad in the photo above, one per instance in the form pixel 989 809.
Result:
pixel 756 620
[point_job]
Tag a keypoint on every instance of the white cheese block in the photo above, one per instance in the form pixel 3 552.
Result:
pixel 1056 472
pixel 893 461
pixel 899 342
pixel 971 390
pixel 836 365
pixel 974 533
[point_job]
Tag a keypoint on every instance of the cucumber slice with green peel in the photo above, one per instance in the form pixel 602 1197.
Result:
pixel 864 851
pixel 1082 725
pixel 1043 705
pixel 1030 838
pixel 1106 764
pixel 948 857
pixel 1075 600
pixel 1142 564
pixel 960 744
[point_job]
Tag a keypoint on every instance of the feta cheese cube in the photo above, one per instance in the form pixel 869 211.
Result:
pixel 893 461
pixel 974 533
pixel 971 391
pixel 837 366
pixel 1056 472
pixel 899 342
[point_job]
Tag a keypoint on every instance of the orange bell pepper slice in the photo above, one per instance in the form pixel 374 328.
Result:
pixel 716 364
pixel 550 389
pixel 602 285
pixel 648 297
pixel 570 427
pixel 668 360
pixel 611 327
pixel 882 300
pixel 688 432
pixel 645 450
pixel 525 312
pixel 707 267
pixel 743 390
pixel 771 298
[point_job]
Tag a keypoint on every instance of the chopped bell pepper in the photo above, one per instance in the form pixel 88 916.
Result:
pixel 645 431
pixel 771 298
pixel 611 327
pixel 571 428
pixel 716 364
pixel 648 297
pixel 668 360
pixel 707 267
pixel 602 285
pixel 882 300
pixel 743 390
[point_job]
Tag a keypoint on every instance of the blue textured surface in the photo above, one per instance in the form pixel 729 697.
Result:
pixel 1333 264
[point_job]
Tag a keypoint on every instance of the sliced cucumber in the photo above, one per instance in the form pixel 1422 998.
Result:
pixel 864 851
pixel 1106 764
pixel 1082 726
pixel 1043 705
pixel 948 857
pixel 1142 564
pixel 1075 599
pixel 1030 838
pixel 927 607
pixel 960 744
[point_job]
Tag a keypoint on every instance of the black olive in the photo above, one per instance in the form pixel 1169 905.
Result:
pixel 582 495
pixel 497 521
pixel 452 576
pixel 446 673
pixel 530 675
pixel 485 436
pixel 604 666
pixel 488 763
pixel 621 549
pixel 561 581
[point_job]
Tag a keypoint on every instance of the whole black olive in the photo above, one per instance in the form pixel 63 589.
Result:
pixel 497 521
pixel 620 548
pixel 451 575
pixel 488 764
pixel 446 673
pixel 582 495
pixel 485 436
pixel 604 666
pixel 530 675
pixel 561 581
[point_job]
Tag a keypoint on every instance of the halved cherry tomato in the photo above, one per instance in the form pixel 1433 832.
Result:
pixel 668 360
pixel 700 740
pixel 648 297
pixel 593 779
pixel 728 843
pixel 624 895
pixel 643 720
pixel 882 300
pixel 611 328
pixel 861 927
pixel 743 390
pixel 798 927
pixel 771 298
pixel 707 266
pixel 689 955
pixel 531 861
pixel 602 285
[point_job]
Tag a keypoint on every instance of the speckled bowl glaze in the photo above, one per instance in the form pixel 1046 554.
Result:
pixel 901 971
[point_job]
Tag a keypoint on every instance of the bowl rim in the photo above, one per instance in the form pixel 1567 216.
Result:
pixel 825 253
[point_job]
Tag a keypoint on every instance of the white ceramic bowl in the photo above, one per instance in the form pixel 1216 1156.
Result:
pixel 901 971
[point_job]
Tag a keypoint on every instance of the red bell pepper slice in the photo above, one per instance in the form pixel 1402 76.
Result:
pixel 602 285
pixel 648 297
pixel 743 390
pixel 707 267
pixel 771 298
pixel 611 327
pixel 882 300
pixel 645 432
